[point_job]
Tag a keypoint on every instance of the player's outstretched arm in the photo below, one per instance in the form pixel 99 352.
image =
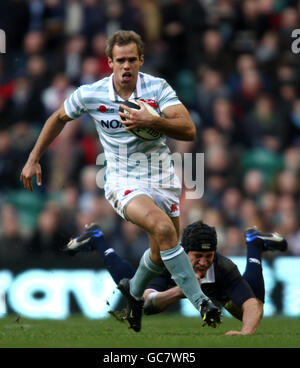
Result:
pixel 252 310
pixel 158 301
pixel 50 131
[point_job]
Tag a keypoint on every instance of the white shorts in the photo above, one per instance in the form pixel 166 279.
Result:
pixel 166 199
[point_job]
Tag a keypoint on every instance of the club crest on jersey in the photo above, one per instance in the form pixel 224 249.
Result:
pixel 105 109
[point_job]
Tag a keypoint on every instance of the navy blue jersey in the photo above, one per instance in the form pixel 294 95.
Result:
pixel 222 282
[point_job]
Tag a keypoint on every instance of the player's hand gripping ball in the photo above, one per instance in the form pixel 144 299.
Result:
pixel 210 313
pixel 147 134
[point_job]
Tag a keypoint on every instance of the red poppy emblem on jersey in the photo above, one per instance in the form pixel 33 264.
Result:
pixel 150 102
pixel 174 208
pixel 102 108
pixel 127 192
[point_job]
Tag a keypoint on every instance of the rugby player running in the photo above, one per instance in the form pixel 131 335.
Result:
pixel 154 208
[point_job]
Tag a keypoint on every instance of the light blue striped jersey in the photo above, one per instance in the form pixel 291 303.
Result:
pixel 129 159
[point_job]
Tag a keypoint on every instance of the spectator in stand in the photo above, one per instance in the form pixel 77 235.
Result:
pixel 243 63
pixel 6 112
pixel 98 48
pixel 264 126
pixel 251 85
pixel 23 136
pixel 12 248
pixel 217 173
pixel 251 214
pixel 294 123
pixel 10 162
pixel 71 59
pixel 287 204
pixel 21 102
pixel 47 239
pixel 289 21
pixel 249 26
pixel 183 23
pixel 292 159
pixel 58 91
pixel 73 18
pixel 233 243
pixel 287 183
pixel 231 204
pixel 213 53
pixel 254 184
pixel 69 203
pixel 94 18
pixel 210 87
pixel 288 224
pixel 226 123
pixel 38 75
pixel 268 204
pixel 152 20
pixel 53 23
pixel 89 70
pixel 267 53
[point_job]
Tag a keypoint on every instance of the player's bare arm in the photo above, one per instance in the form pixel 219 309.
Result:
pixel 176 122
pixel 53 126
pixel 252 311
pixel 158 301
pixel 233 309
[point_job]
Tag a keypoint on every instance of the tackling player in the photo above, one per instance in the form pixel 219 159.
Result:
pixel 154 208
pixel 243 296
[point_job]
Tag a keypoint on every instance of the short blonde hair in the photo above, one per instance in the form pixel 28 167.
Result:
pixel 122 38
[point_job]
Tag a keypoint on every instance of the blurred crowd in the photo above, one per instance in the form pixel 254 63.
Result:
pixel 231 63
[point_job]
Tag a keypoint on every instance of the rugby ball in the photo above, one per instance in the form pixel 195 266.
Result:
pixel 147 134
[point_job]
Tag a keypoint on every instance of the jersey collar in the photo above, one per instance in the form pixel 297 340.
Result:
pixel 113 96
pixel 209 276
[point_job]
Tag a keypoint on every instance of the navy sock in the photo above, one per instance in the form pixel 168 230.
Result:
pixel 115 265
pixel 253 273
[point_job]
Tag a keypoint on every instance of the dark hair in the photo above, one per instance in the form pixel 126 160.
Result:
pixel 199 237
pixel 122 38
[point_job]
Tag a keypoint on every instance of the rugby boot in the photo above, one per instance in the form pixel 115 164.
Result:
pixel 210 313
pixel 270 241
pixel 82 242
pixel 134 307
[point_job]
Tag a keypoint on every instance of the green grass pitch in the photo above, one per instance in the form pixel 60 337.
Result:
pixel 160 331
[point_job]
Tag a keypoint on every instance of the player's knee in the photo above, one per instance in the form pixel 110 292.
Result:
pixel 165 232
pixel 159 225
